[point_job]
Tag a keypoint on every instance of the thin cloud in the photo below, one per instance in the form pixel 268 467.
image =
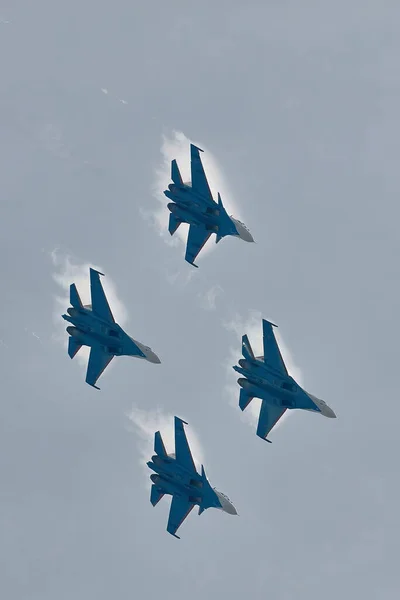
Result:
pixel 252 326
pixel 177 146
pixel 147 422
pixel 66 272
pixel 208 300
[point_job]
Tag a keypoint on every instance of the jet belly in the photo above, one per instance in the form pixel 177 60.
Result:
pixel 185 194
pixel 172 486
pixel 167 466
pixel 266 393
pixel 279 388
pixel 194 216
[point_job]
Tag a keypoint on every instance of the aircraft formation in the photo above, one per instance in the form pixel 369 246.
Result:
pixel 264 377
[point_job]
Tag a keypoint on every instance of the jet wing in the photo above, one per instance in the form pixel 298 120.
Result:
pixel 269 416
pixel 183 454
pixel 180 508
pixel 199 179
pixel 98 361
pixel 99 301
pixel 198 236
pixel 272 354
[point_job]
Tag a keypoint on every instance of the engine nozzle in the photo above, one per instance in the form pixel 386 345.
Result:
pixel 244 363
pixel 242 381
pixel 155 478
pixel 72 331
pixel 172 207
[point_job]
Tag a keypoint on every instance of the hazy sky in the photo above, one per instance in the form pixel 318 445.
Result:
pixel 297 107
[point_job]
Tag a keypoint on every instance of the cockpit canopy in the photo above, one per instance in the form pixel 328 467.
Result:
pixel 222 494
pixel 240 222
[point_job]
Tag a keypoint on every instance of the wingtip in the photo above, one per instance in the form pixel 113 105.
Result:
pixel 93 386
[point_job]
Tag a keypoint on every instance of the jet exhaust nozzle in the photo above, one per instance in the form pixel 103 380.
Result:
pixel 155 478
pixel 242 381
pixel 172 207
pixel 72 331
pixel 73 312
pixel 244 363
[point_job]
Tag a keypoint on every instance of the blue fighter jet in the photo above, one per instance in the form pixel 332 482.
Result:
pixel 94 326
pixel 193 203
pixel 176 475
pixel 266 377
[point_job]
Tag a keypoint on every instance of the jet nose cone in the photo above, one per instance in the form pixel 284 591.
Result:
pixel 329 413
pixel 243 232
pixel 230 509
pixel 152 357
pixel 226 504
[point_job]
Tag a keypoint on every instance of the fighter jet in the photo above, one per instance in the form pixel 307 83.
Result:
pixel 266 377
pixel 176 475
pixel 94 326
pixel 193 203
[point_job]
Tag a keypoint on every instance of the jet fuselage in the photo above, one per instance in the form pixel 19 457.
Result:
pixel 188 207
pixel 175 479
pixel 261 382
pixel 90 330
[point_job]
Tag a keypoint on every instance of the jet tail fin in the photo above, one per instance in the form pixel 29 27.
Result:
pixel 247 350
pixel 159 447
pixel 175 173
pixel 74 297
pixel 73 347
pixel 173 224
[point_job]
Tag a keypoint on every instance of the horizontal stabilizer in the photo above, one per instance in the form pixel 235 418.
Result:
pixel 73 347
pixel 155 495
pixel 175 173
pixel 173 224
pixel 244 399
pixel 159 447
pixel 74 297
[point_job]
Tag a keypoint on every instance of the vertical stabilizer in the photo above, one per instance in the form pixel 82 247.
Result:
pixel 175 173
pixel 74 297
pixel 159 447
pixel 247 350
